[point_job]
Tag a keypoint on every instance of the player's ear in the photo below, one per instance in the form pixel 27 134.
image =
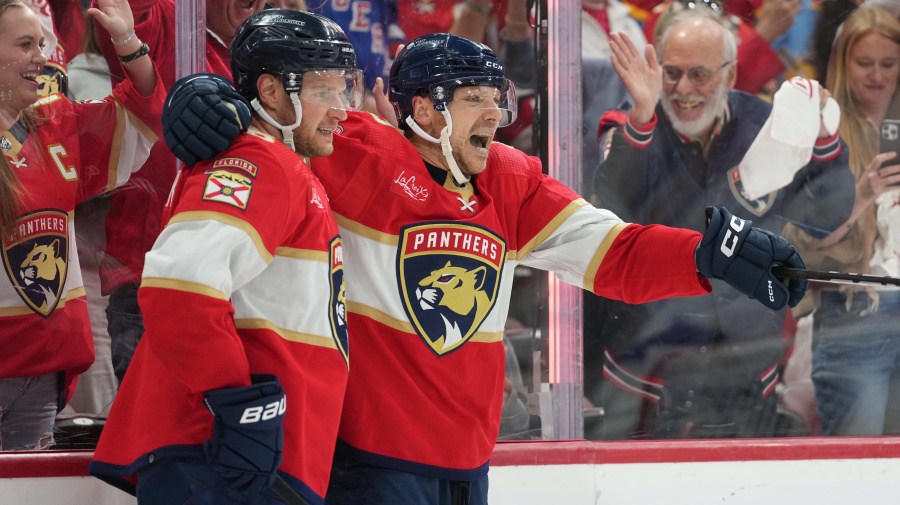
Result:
pixel 267 86
pixel 423 110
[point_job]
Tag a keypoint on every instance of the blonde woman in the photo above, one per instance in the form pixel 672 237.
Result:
pixel 856 343
pixel 57 153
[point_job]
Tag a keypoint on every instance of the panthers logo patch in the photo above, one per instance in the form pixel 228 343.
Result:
pixel 449 276
pixel 35 254
pixel 757 206
pixel 338 300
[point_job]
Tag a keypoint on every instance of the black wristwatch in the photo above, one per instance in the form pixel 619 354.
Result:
pixel 143 50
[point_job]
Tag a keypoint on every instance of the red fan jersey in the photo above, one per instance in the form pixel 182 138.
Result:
pixel 78 150
pixel 135 218
pixel 431 269
pixel 246 277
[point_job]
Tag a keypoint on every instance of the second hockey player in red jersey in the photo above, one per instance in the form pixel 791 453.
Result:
pixel 433 222
pixel 238 382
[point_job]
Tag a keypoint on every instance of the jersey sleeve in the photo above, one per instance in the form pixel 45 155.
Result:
pixel 592 248
pixel 625 172
pixel 114 136
pixel 224 229
pixel 99 143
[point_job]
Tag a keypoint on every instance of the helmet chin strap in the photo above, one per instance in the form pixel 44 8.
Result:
pixel 287 132
pixel 444 141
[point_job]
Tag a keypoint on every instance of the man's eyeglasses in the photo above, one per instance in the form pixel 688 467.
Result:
pixel 697 75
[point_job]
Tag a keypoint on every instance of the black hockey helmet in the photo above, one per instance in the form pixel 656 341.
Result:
pixel 440 63
pixel 288 43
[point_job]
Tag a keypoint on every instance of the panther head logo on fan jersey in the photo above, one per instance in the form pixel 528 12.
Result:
pixel 449 276
pixel 35 254
pixel 758 206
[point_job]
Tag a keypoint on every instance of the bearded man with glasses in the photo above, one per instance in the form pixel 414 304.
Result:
pixel 704 367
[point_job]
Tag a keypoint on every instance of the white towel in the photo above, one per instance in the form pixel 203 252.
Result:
pixel 785 142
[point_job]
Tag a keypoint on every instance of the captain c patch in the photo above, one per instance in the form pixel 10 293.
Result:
pixel 448 275
pixel 228 187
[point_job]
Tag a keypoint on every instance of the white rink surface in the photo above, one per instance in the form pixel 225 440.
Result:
pixel 819 482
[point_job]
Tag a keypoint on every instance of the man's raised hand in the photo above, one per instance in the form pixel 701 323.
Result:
pixel 641 75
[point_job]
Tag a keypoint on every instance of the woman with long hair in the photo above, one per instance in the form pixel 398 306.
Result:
pixel 57 152
pixel 856 344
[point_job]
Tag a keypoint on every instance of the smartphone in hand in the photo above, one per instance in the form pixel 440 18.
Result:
pixel 890 140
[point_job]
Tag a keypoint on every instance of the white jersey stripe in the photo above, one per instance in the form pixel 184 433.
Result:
pixel 206 252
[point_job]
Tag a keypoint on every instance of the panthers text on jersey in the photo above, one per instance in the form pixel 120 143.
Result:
pixel 246 277
pixel 430 270
pixel 78 150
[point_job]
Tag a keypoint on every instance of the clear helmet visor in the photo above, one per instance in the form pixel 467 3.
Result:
pixel 334 88
pixel 488 97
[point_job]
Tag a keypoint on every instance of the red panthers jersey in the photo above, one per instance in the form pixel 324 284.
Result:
pixel 431 271
pixel 135 218
pixel 246 277
pixel 78 150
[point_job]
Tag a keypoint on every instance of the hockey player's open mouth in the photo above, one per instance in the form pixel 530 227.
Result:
pixel 480 141
pixel 248 4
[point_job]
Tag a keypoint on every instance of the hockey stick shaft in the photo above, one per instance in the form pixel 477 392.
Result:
pixel 286 493
pixel 834 277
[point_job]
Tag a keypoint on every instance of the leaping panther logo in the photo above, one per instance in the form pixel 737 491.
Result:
pixel 455 293
pixel 42 270
pixel 35 255
pixel 449 276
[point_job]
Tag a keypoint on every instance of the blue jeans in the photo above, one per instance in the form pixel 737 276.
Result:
pixel 355 483
pixel 856 354
pixel 27 412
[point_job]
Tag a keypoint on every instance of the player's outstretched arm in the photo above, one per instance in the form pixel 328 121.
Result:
pixel 743 256
pixel 202 115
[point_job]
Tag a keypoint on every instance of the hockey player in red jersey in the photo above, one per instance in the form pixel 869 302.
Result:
pixel 434 221
pixel 57 153
pixel 243 291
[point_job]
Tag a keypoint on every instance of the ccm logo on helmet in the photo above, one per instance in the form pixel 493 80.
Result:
pixel 493 65
pixel 257 414
pixel 737 224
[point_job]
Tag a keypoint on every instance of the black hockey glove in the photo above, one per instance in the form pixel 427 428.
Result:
pixel 203 113
pixel 743 256
pixel 247 438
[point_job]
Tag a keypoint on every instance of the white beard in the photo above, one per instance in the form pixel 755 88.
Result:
pixel 713 108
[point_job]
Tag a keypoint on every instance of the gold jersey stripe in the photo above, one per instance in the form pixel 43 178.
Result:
pixel 407 327
pixel 365 231
pixel 24 311
pixel 302 254
pixel 293 336
pixel 116 148
pixel 180 285
pixel 551 227
pixel 594 265
pixel 145 130
pixel 203 215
